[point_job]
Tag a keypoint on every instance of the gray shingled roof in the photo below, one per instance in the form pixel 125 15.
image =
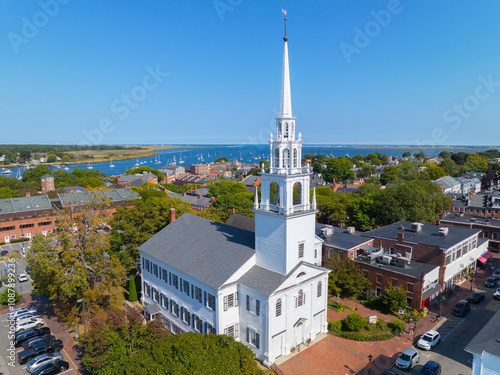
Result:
pixel 341 239
pixel 192 200
pixel 25 204
pixel 242 222
pixel 206 250
pixel 115 195
pixel 487 339
pixel 429 235
pixel 262 280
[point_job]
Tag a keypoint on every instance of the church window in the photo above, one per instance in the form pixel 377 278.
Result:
pixel 301 250
pixel 277 158
pixel 319 289
pixel 230 301
pixel 164 275
pixel 210 302
pixel 278 307
pixel 155 295
pixel 232 331
pixel 253 338
pixel 295 162
pixel 186 316
pixel 146 289
pixel 279 129
pixel 300 300
pixel 164 301
pixel 274 193
pixel 286 158
pixel 285 133
pixel 185 287
pixel 209 329
pixel 297 193
pixel 175 281
pixel 253 305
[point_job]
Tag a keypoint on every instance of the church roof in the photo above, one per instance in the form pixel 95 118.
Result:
pixel 208 251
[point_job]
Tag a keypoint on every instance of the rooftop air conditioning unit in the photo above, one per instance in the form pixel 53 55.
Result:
pixel 416 227
pixel 443 231
pixel 327 231
pixel 351 230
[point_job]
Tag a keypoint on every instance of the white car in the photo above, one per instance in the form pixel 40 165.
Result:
pixel 21 310
pixel 22 277
pixel 29 323
pixel 429 340
pixel 25 316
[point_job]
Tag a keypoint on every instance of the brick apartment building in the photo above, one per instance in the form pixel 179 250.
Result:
pixel 136 179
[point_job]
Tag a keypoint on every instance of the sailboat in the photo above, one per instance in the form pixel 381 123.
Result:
pixel 89 166
pixel 180 159
pixel 19 175
pixel 111 165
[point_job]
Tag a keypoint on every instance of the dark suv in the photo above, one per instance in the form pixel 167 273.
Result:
pixel 39 348
pixel 461 308
pixel 25 335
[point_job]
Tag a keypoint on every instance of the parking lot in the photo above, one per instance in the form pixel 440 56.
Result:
pixel 7 366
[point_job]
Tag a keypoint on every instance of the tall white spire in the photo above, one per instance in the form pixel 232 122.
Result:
pixel 286 98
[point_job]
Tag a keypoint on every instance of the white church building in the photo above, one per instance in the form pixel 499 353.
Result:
pixel 266 288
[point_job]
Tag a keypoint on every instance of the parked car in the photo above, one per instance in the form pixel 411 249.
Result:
pixel 496 295
pixel 476 297
pixel 22 277
pixel 43 359
pixel 25 316
pixel 29 343
pixel 21 337
pixel 496 274
pixel 430 339
pixel 52 368
pixel 491 282
pixel 21 310
pixel 39 348
pixel 461 308
pixel 29 323
pixel 431 368
pixel 27 270
pixel 407 359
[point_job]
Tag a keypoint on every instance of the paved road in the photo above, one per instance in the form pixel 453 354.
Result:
pixel 456 334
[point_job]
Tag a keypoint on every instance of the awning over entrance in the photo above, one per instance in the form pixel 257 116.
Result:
pixel 484 258
pixel 431 291
pixel 152 309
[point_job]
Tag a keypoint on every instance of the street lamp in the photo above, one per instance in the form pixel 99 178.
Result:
pixel 83 308
pixel 370 357
pixel 471 281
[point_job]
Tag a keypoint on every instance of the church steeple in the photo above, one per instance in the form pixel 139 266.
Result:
pixel 286 97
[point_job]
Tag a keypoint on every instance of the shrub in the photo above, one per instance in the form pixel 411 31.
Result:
pixel 397 327
pixel 9 295
pixel 132 292
pixel 381 323
pixel 353 322
pixel 335 325
pixel 13 254
pixel 350 308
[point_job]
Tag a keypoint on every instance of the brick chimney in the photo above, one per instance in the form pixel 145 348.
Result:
pixel 199 195
pixel 71 191
pixel 401 236
pixel 28 194
pixel 212 199
pixel 171 215
pixel 100 187
pixel 184 193
pixel 195 189
pixel 234 210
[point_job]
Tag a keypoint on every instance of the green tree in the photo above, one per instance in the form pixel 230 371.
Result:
pixel 353 322
pixel 222 207
pixel 226 187
pixel 419 155
pixel 51 158
pixel 7 192
pixel 25 154
pixel 459 157
pixel 389 175
pixel 444 154
pixel 435 171
pixel 346 277
pixel 384 159
pixel 394 298
pixel 406 154
pixel 339 169
pixel 34 175
pixel 75 263
pixel 222 159
pixel 450 167
pixel 407 171
pixel 8 295
pixel 119 344
pixel 476 163
pixel 132 292
pixel 366 171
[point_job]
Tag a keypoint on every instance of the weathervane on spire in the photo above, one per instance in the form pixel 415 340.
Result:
pixel 284 12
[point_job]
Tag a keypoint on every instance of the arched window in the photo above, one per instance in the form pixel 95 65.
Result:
pixel 285 133
pixel 274 193
pixel 320 289
pixel 301 299
pixel 297 193
pixel 277 158
pixel 278 307
pixel 279 130
pixel 286 158
pixel 295 163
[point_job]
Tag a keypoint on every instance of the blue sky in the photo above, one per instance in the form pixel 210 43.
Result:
pixel 192 72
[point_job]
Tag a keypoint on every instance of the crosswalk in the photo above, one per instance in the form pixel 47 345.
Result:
pixel 451 323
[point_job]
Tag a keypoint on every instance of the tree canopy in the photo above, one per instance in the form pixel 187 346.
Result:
pixel 346 278
pixel 146 169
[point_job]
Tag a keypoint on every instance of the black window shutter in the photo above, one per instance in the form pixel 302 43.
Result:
pixel 225 303
pixel 257 307
pixel 248 334
pixel 248 302
pixel 205 298
pixel 192 291
pixel 257 340
pixel 205 330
